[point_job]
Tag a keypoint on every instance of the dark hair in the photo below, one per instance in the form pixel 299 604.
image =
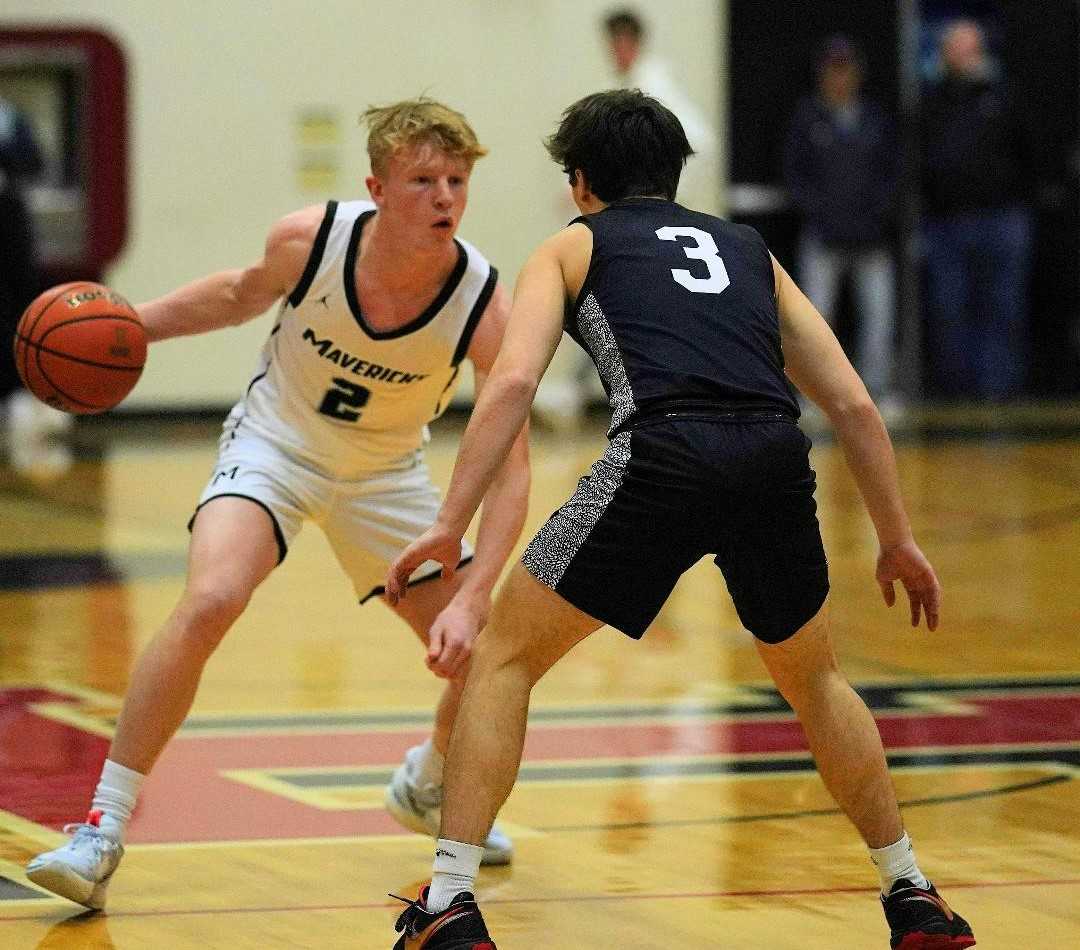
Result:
pixel 625 143
pixel 624 21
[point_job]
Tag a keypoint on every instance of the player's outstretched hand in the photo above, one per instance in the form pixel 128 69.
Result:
pixel 907 564
pixel 435 544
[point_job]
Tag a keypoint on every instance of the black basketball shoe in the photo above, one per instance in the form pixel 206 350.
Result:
pixel 459 927
pixel 921 920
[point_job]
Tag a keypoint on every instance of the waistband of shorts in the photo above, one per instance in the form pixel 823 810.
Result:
pixel 706 411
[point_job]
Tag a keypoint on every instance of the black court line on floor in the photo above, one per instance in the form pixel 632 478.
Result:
pixel 997 792
pixel 758 700
pixel 646 769
pixel 14 891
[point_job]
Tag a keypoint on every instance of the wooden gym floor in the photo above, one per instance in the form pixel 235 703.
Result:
pixel 666 798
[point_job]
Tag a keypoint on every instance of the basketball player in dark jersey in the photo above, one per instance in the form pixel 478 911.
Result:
pixel 692 325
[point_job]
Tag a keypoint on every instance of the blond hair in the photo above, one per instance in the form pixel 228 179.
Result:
pixel 418 122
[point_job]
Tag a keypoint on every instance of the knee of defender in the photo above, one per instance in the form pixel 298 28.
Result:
pixel 495 655
pixel 206 614
pixel 805 690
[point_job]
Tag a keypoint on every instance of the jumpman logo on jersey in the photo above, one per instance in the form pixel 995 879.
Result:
pixel 323 300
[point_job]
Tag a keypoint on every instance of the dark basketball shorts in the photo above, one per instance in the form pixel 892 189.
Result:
pixel 674 490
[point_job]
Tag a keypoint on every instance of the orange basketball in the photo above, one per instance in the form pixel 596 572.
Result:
pixel 80 347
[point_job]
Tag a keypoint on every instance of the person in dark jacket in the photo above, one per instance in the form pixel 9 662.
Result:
pixel 976 178
pixel 20 160
pixel 28 428
pixel 840 166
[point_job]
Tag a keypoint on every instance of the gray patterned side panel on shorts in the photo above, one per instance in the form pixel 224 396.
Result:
pixel 551 551
pixel 596 332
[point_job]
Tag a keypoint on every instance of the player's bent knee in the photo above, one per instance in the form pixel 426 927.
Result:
pixel 524 657
pixel 210 611
pixel 803 692
pixel 491 649
pixel 492 652
pixel 802 663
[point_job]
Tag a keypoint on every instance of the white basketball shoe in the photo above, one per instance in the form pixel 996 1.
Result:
pixel 418 808
pixel 81 869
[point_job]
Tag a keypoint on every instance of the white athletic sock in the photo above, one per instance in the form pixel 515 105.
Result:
pixel 115 798
pixel 895 862
pixel 454 872
pixel 426 768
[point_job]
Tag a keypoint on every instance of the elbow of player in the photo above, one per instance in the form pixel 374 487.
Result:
pixel 516 387
pixel 242 300
pixel 856 411
pixel 153 328
pixel 240 310
pixel 237 316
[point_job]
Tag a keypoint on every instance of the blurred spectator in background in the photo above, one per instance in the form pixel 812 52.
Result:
pixel 564 396
pixel 976 178
pixel 638 68
pixel 28 423
pixel 841 168
pixel 20 160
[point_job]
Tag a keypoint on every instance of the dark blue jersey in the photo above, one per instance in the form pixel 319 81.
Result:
pixel 678 311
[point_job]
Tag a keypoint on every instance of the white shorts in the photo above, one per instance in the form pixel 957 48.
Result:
pixel 368 521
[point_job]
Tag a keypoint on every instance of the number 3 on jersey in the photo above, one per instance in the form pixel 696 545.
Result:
pixel 343 401
pixel 704 249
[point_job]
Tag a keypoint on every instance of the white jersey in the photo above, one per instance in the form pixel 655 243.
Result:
pixel 340 396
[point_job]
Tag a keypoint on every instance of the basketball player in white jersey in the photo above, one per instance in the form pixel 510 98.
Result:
pixel 379 304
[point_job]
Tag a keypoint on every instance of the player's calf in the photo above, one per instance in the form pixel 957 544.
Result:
pixel 416 804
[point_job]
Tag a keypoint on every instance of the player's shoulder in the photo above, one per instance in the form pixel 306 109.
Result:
pixel 349 211
pixel 474 253
pixel 297 227
pixel 301 229
pixel 307 221
pixel 742 234
pixel 573 242
pixel 745 232
pixel 576 235
pixel 732 230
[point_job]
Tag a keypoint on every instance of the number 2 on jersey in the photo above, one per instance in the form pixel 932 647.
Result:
pixel 342 402
pixel 704 249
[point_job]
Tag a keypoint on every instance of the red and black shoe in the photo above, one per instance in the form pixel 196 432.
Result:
pixel 459 927
pixel 921 920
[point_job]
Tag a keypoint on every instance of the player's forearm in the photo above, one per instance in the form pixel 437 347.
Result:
pixel 501 520
pixel 869 453
pixel 203 305
pixel 496 420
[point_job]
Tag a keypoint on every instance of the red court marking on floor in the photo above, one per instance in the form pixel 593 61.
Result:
pixel 50 768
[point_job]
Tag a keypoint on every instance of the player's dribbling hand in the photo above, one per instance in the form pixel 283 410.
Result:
pixel 904 562
pixel 435 544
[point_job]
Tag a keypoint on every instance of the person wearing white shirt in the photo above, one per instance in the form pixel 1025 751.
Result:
pixel 638 68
